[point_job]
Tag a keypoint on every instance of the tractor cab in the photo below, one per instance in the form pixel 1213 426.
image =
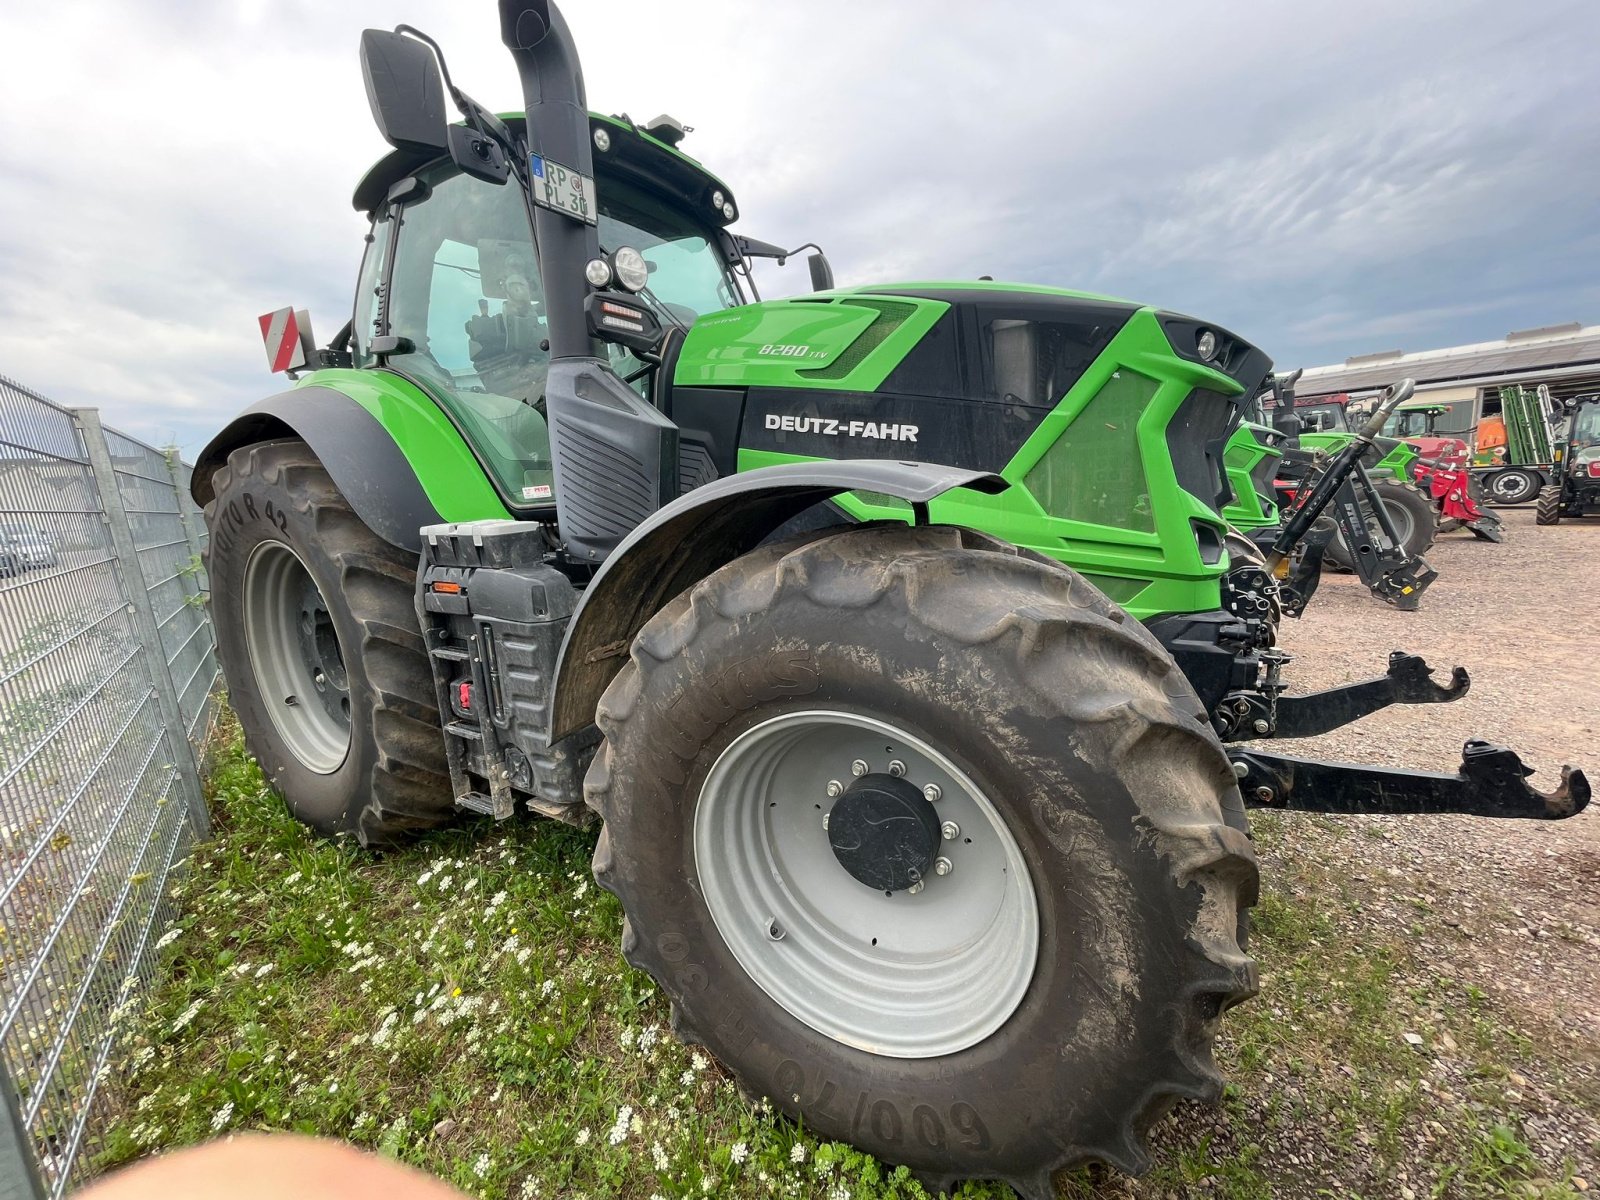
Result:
pixel 1574 489
pixel 451 295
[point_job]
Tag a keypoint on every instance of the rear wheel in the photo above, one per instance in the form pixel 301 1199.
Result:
pixel 1413 515
pixel 931 844
pixel 317 634
pixel 1548 510
pixel 1513 486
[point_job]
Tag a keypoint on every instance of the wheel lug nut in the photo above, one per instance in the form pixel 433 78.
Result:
pixel 943 866
pixel 950 830
pixel 932 792
pixel 915 887
pixel 835 788
pixel 859 767
pixel 897 768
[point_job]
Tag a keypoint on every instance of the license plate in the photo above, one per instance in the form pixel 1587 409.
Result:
pixel 562 188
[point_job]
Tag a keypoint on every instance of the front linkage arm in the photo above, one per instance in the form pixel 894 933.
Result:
pixel 1246 715
pixel 1492 782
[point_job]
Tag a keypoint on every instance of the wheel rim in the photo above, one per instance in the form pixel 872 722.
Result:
pixel 296 657
pixel 1511 486
pixel 913 973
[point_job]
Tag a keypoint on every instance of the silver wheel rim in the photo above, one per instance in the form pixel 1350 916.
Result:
pixel 296 658
pixel 1510 486
pixel 902 975
pixel 1404 524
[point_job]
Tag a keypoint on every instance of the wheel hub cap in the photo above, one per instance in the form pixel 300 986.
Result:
pixel 884 833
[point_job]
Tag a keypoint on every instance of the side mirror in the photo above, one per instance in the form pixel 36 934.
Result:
pixel 821 272
pixel 405 90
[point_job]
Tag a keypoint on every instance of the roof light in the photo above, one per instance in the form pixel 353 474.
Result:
pixel 602 139
pixel 727 211
pixel 598 272
pixel 718 199
pixel 1207 345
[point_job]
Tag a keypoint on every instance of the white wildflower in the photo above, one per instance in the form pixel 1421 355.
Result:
pixel 797 1153
pixel 471 885
pixel 649 1038
pixel 264 970
pixel 739 1152
pixel 221 1119
pixel 699 1061
pixel 583 1138
pixel 291 880
pixel 167 938
pixel 530 1188
pixel 626 1037
pixel 481 1167
pixel 186 1016
pixel 619 1131
pixel 547 988
pixel 582 890
pixel 660 1157
pixel 687 1078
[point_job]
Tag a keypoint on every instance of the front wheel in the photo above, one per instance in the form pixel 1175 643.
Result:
pixel 1548 510
pixel 931 844
pixel 1513 486
pixel 1414 518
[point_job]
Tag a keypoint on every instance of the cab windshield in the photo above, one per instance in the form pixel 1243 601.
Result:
pixel 688 275
pixel 1586 424
pixel 1409 422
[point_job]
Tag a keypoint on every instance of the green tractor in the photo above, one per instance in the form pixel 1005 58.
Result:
pixel 890 631
pixel 1574 488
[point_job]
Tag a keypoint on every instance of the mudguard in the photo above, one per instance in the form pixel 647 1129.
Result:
pixel 701 531
pixel 360 452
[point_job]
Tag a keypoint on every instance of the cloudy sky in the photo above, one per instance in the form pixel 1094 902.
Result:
pixel 1325 179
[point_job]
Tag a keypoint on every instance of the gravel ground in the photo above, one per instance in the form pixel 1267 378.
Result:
pixel 1509 907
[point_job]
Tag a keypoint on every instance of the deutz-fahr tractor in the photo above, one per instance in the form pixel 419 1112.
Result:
pixel 1574 487
pixel 890 630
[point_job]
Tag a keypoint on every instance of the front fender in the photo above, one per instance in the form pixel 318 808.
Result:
pixel 390 450
pixel 694 535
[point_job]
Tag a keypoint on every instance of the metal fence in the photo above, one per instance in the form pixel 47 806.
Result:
pixel 107 667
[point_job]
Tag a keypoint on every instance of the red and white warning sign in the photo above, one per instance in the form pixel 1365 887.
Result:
pixel 285 333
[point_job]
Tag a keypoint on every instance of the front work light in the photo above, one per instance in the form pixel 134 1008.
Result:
pixel 630 268
pixel 598 272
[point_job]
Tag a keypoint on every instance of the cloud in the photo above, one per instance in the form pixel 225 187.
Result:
pixel 1318 179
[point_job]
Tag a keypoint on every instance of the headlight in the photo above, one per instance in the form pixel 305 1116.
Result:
pixel 598 272
pixel 631 270
pixel 1206 345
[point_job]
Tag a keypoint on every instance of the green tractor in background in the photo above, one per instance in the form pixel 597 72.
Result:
pixel 1574 487
pixel 891 631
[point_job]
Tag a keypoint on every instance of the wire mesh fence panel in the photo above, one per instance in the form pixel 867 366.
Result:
pixel 102 622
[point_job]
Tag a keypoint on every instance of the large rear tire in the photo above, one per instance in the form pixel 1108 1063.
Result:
pixel 317 634
pixel 1075 760
pixel 1548 509
pixel 1414 517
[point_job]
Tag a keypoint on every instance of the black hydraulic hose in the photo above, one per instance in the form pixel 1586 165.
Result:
pixel 1344 462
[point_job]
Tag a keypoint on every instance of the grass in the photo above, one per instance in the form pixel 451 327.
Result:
pixel 461 1006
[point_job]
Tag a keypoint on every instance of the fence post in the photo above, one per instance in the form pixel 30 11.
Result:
pixel 19 1170
pixel 138 595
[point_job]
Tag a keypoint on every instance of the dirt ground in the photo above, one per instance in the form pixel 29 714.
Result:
pixel 1510 907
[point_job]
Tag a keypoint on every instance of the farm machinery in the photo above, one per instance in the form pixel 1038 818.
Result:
pixel 891 631
pixel 1574 488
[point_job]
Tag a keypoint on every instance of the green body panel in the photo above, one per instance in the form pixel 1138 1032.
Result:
pixel 449 472
pixel 1398 460
pixel 1153 569
pixel 802 343
pixel 1244 453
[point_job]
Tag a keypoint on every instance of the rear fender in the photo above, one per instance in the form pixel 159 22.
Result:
pixel 390 450
pixel 699 532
